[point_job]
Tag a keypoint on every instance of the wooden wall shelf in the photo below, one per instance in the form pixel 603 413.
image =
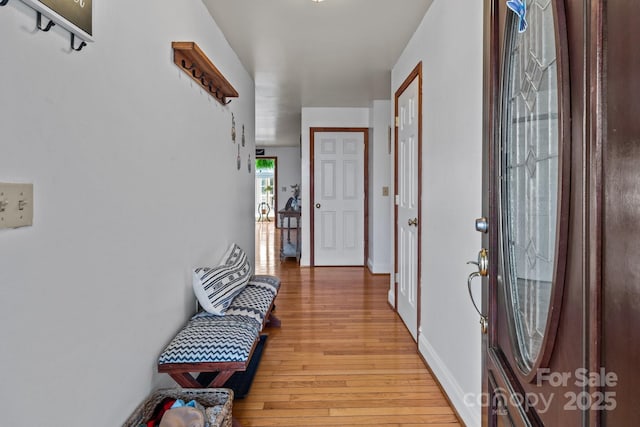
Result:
pixel 193 61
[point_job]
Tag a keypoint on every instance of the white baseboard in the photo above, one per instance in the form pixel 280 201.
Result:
pixel 467 409
pixel 378 268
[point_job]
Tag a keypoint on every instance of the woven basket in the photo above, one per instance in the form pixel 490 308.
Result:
pixel 217 401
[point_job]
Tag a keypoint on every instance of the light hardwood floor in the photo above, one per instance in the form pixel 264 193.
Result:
pixel 342 356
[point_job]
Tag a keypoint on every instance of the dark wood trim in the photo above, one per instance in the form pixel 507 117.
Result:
pixel 489 90
pixel 595 118
pixel 415 73
pixel 365 133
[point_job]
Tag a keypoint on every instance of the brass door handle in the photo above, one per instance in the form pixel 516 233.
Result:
pixel 483 270
pixel 413 221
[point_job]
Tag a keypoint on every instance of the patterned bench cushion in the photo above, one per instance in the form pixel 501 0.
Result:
pixel 253 301
pixel 212 339
pixel 265 280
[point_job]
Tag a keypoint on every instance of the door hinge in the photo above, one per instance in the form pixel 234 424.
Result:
pixel 397 199
pixel 397 121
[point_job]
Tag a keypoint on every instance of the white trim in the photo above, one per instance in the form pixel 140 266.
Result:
pixel 391 297
pixel 471 414
pixel 379 268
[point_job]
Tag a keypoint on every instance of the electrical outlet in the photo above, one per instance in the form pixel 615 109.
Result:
pixel 16 205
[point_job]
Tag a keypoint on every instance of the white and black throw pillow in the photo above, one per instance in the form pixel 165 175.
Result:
pixel 216 287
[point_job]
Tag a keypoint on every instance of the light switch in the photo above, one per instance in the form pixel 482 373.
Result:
pixel 385 191
pixel 16 205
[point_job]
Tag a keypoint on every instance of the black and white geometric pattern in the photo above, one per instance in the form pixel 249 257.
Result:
pixel 266 280
pixel 212 339
pixel 216 287
pixel 253 302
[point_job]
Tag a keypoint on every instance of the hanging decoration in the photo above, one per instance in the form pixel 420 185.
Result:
pixel 249 164
pixel 233 128
pixel 243 135
pixel 238 158
pixel 519 7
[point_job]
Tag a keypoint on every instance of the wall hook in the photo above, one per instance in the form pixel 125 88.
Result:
pixel 4 2
pixel 80 46
pixel 39 23
pixel 191 67
pixel 195 76
pixel 221 98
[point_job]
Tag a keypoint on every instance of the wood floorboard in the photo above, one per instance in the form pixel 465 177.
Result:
pixel 342 356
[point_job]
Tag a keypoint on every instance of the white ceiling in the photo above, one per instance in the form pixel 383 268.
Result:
pixel 337 53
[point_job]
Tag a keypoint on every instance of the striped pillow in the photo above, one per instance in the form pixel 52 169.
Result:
pixel 216 287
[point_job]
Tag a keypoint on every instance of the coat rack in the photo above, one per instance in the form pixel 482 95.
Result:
pixel 51 24
pixel 189 57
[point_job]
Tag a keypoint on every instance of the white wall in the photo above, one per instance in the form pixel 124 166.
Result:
pixel 449 44
pixel 288 174
pixel 127 157
pixel 379 176
pixel 321 117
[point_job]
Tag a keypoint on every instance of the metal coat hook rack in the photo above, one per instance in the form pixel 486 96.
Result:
pixel 51 24
pixel 39 23
pixel 73 43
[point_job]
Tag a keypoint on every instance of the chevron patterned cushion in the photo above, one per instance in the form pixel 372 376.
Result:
pixel 212 339
pixel 254 300
pixel 216 287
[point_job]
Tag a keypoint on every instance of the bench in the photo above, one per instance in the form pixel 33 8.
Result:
pixel 222 344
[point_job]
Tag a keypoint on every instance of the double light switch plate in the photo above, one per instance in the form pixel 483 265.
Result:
pixel 16 205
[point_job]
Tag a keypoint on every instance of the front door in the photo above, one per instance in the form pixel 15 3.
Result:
pixel 534 200
pixel 407 231
pixel 338 196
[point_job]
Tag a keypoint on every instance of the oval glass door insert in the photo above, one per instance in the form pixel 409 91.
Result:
pixel 529 190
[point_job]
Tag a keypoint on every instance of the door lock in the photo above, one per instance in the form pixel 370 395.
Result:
pixel 482 225
pixel 482 263
pixel 318 205
pixel 413 222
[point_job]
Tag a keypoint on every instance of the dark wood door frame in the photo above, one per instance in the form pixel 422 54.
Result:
pixel 365 133
pixel 415 73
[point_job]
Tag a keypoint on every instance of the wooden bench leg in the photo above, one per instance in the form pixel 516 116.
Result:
pixel 185 379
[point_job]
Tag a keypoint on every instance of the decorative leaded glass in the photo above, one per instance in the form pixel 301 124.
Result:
pixel 530 144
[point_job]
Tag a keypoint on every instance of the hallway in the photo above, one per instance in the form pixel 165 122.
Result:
pixel 342 357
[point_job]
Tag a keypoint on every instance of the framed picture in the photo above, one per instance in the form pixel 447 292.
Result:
pixel 74 16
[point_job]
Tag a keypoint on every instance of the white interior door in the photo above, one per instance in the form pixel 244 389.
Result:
pixel 338 199
pixel 407 227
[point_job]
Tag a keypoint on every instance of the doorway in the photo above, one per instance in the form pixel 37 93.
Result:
pixel 266 194
pixel 339 208
pixel 408 185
